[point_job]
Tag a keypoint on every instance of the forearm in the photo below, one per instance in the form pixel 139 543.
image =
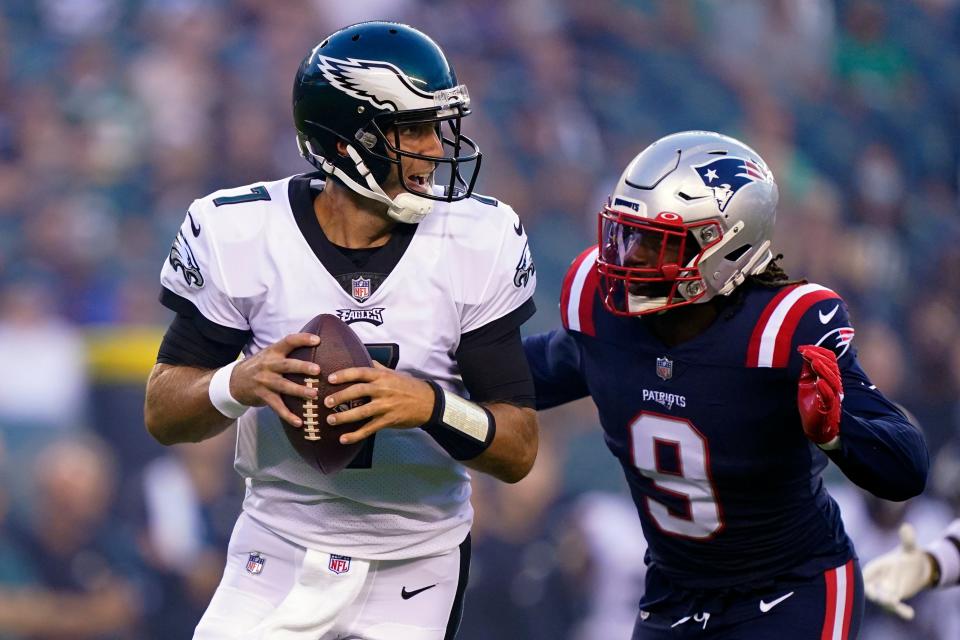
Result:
pixel 177 406
pixel 884 455
pixel 514 448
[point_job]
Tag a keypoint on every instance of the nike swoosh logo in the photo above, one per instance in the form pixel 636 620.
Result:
pixel 406 595
pixel 766 606
pixel 827 317
pixel 518 228
pixel 194 226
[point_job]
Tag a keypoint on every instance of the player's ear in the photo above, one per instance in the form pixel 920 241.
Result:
pixel 341 147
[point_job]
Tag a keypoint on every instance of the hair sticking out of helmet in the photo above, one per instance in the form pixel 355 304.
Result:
pixel 690 218
pixel 363 85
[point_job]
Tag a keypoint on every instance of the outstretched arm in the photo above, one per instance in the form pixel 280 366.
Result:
pixel 554 359
pixel 905 571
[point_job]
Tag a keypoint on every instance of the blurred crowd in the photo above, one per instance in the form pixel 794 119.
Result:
pixel 116 114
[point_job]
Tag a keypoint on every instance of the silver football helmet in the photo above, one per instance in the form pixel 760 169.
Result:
pixel 690 218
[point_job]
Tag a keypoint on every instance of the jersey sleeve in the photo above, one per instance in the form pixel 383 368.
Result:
pixel 193 282
pixel 946 550
pixel 554 359
pixel 578 293
pixel 880 449
pixel 506 281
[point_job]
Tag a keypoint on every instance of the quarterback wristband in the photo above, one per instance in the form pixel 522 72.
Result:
pixel 946 551
pixel 220 396
pixel 464 429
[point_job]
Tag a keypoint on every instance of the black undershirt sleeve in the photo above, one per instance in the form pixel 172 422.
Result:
pixel 184 344
pixel 194 341
pixel 492 362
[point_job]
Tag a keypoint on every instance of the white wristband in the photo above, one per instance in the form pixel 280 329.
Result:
pixel 947 556
pixel 220 395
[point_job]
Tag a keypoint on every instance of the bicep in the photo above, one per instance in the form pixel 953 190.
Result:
pixel 492 363
pixel 189 342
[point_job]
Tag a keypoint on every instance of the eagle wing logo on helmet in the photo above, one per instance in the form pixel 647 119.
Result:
pixel 725 176
pixel 380 83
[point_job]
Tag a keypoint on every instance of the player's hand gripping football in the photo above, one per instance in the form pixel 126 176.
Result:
pixel 397 400
pixel 258 380
pixel 819 395
pixel 899 574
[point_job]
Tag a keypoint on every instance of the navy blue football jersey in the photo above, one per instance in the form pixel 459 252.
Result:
pixel 727 486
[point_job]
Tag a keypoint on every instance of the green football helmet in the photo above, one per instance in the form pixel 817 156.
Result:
pixel 360 86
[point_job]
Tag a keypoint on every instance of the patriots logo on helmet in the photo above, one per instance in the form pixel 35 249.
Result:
pixel 385 86
pixel 725 176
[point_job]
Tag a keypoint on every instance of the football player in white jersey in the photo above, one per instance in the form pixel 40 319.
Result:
pixel 435 279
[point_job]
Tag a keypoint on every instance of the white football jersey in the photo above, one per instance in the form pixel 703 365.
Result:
pixel 242 260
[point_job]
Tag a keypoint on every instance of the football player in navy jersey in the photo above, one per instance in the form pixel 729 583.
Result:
pixel 723 388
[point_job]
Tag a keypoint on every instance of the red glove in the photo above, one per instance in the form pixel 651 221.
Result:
pixel 819 395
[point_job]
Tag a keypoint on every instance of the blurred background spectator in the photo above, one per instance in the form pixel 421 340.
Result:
pixel 116 114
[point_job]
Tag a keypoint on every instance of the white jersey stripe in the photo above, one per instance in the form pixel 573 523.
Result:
pixel 576 289
pixel 840 574
pixel 768 341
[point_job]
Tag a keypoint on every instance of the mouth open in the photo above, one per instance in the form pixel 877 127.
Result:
pixel 420 182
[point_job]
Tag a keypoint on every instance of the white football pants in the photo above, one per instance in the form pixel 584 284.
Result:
pixel 273 589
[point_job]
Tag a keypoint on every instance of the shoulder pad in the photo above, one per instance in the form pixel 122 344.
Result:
pixel 788 320
pixel 578 293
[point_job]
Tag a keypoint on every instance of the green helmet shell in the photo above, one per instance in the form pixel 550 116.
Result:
pixel 364 79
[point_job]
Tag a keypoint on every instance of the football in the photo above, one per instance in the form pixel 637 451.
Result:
pixel 318 442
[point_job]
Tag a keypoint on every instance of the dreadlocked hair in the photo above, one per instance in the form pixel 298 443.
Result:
pixel 773 277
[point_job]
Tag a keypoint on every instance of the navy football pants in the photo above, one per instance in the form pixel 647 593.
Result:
pixel 828 607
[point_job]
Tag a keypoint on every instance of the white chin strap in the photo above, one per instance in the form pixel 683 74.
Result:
pixel 406 207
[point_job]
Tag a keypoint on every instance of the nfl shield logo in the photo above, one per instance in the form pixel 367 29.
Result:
pixel 339 564
pixel 255 563
pixel 361 288
pixel 664 368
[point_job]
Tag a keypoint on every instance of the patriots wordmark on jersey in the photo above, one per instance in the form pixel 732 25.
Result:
pixel 708 433
pixel 253 261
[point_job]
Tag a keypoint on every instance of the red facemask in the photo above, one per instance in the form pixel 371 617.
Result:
pixel 642 261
